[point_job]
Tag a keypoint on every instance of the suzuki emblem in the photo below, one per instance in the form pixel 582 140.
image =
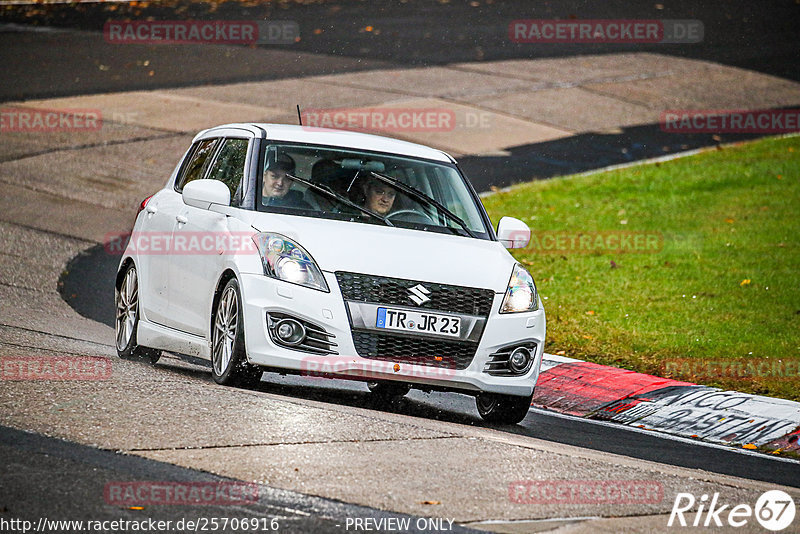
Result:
pixel 419 294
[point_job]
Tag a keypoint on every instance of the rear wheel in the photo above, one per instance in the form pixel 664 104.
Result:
pixel 506 409
pixel 229 365
pixel 126 300
pixel 388 391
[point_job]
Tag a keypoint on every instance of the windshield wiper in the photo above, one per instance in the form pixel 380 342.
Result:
pixel 336 196
pixel 419 195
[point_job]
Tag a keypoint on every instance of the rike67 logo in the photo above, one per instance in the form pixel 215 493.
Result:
pixel 774 510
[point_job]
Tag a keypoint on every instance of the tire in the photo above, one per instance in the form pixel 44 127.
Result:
pixel 504 409
pixel 229 365
pixel 126 301
pixel 388 391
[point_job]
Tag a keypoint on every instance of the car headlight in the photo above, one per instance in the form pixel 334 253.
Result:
pixel 286 260
pixel 521 294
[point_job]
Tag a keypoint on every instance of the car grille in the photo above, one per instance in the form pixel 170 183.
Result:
pixel 394 291
pixel 414 350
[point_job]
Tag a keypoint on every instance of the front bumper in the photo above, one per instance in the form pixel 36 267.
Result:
pixel 262 295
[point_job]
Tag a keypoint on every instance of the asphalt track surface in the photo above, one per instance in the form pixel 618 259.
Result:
pixel 760 36
pixel 54 476
pixel 86 289
pixel 56 479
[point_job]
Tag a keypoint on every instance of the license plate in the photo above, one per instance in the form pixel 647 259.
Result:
pixel 422 322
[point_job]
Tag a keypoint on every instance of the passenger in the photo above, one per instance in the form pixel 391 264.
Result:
pixel 277 186
pixel 379 197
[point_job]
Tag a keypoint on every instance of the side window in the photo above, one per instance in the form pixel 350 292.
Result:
pixel 194 168
pixel 228 167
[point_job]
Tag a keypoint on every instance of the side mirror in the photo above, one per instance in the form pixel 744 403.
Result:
pixel 203 193
pixel 513 233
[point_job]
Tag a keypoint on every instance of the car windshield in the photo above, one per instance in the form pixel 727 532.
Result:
pixel 366 187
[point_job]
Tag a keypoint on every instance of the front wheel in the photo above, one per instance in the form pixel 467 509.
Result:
pixel 229 365
pixel 126 300
pixel 505 409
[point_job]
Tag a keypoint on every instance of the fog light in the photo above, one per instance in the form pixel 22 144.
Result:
pixel 285 331
pixel 290 332
pixel 520 360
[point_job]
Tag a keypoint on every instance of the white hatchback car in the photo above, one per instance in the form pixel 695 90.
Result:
pixel 335 254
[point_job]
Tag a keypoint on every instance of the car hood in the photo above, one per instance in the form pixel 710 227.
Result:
pixel 395 252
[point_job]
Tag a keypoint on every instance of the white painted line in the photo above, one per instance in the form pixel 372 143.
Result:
pixel 560 359
pixel 13 27
pixel 45 2
pixel 535 521
pixel 657 434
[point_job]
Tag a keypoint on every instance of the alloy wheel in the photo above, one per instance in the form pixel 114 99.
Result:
pixel 127 309
pixel 226 324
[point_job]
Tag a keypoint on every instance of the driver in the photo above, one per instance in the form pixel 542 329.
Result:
pixel 277 185
pixel 379 197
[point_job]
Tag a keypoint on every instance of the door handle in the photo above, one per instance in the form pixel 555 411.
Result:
pixel 151 209
pixel 181 219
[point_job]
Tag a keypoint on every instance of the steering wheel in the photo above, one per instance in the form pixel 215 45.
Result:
pixel 412 216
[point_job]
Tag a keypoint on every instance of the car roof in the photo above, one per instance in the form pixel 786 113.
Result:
pixel 337 138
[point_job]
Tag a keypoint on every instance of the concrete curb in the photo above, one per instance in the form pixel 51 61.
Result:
pixel 593 391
